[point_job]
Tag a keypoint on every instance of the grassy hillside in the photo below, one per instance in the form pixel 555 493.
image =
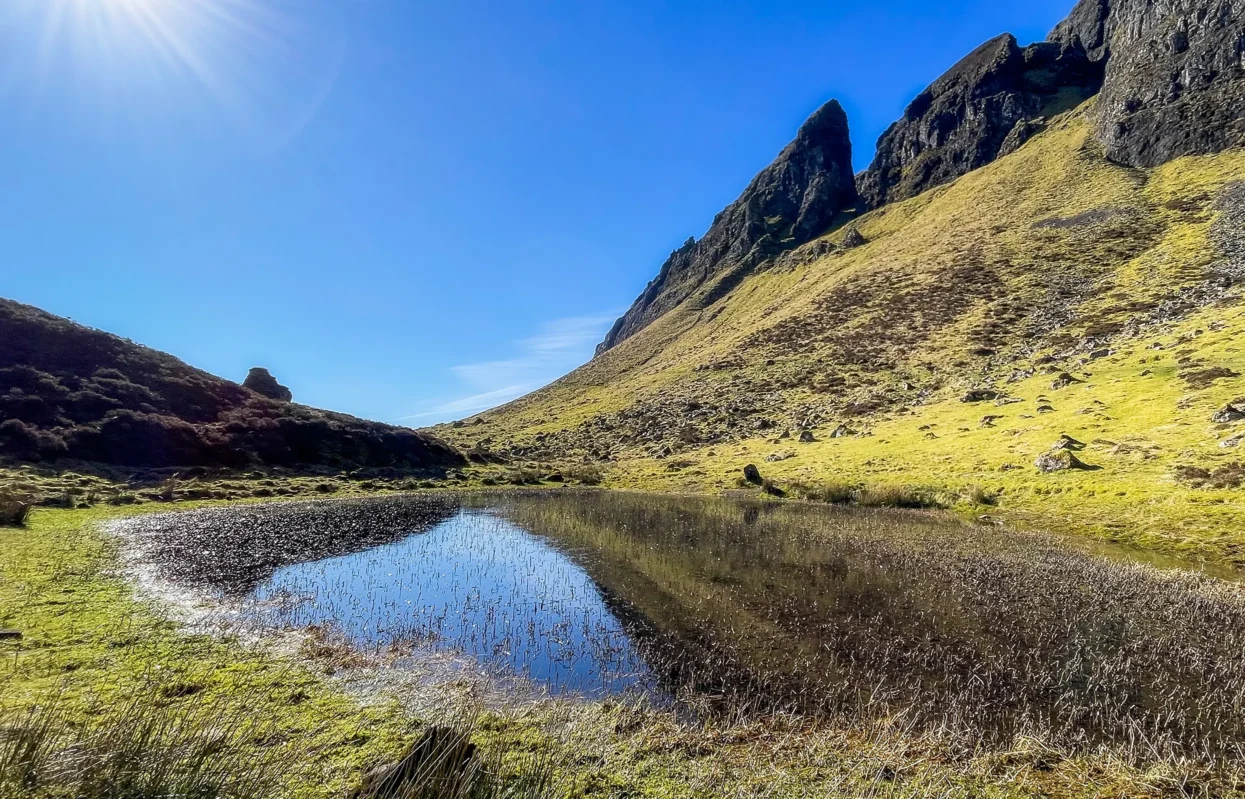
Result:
pixel 68 392
pixel 1050 262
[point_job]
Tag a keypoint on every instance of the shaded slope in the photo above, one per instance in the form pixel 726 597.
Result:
pixel 67 391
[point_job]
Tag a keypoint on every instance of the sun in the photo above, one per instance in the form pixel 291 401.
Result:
pixel 260 67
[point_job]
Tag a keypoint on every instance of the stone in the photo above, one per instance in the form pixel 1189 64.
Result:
pixel 778 457
pixel 980 395
pixel 1069 443
pixel 1231 413
pixel 1063 380
pixel 842 431
pixel 263 383
pixel 853 238
pixel 1061 460
pixel 752 474
pixel 10 635
pixel 807 437
pixel 791 202
pixel 979 111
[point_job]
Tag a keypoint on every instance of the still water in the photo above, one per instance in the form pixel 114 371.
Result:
pixel 748 607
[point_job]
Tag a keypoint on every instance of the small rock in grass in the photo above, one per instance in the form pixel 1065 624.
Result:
pixel 1234 411
pixel 752 474
pixel 1059 461
pixel 1069 443
pixel 980 395
pixel 10 635
pixel 1064 380
pixel 842 431
pixel 807 437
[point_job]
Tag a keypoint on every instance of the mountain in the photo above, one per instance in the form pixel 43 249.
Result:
pixel 70 392
pixel 792 201
pixel 1049 243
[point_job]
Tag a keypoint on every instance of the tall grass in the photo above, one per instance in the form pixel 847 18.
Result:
pixel 143 749
pixel 135 750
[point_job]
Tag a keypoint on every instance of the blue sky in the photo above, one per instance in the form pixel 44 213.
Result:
pixel 411 211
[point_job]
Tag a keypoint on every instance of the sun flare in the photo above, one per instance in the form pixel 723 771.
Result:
pixel 260 67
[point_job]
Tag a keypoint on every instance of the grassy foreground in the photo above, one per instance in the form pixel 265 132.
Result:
pixel 91 647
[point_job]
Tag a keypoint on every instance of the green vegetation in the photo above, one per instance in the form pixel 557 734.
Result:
pixel 1050 262
pixel 89 644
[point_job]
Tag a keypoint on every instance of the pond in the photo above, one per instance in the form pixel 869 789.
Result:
pixel 748 607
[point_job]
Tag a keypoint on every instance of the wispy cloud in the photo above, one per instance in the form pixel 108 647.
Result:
pixel 557 348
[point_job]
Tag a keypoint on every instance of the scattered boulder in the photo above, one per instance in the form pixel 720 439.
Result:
pixel 263 383
pixel 1232 443
pixel 988 421
pixel 1046 408
pixel 854 238
pixel 1233 412
pixel 807 437
pixel 843 431
pixel 1063 380
pixel 980 395
pixel 778 457
pixel 752 474
pixel 1069 443
pixel 1060 460
pixel 10 635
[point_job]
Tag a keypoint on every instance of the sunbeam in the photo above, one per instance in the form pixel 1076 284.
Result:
pixel 264 66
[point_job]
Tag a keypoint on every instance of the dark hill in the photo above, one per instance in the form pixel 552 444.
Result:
pixel 70 392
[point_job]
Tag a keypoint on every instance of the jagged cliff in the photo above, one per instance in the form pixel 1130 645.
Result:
pixel 792 201
pixel 1170 80
pixel 1174 75
pixel 987 105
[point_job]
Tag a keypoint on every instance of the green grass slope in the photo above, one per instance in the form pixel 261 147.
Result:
pixel 1052 260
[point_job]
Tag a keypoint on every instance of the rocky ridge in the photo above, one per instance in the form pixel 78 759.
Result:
pixel 794 200
pixel 1169 76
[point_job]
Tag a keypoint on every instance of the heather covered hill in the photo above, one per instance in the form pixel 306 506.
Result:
pixel 70 392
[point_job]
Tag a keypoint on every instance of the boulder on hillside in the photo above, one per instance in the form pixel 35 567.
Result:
pixel 980 395
pixel 1234 411
pixel 263 383
pixel 752 474
pixel 1060 460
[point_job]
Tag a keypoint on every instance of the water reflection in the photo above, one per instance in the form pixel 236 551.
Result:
pixel 743 607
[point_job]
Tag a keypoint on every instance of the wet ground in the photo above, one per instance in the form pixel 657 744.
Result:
pixel 742 606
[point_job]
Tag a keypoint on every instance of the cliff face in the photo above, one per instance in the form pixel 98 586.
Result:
pixel 985 106
pixel 1175 75
pixel 792 201
pixel 1170 80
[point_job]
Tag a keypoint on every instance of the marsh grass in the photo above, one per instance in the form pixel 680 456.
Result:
pixel 140 749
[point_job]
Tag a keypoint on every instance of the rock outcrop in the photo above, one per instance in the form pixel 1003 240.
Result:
pixel 794 200
pixel 1174 75
pixel 261 381
pixel 986 105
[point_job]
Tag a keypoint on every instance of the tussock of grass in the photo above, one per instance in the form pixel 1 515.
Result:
pixel 136 750
pixel 13 512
